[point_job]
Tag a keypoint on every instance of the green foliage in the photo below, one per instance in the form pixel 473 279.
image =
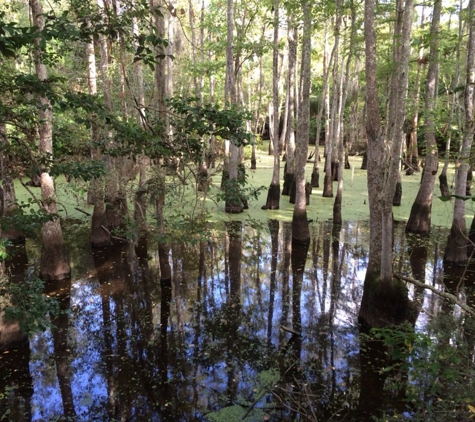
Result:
pixel 238 191
pixel 236 413
pixel 85 170
pixel 27 305
pixel 147 49
pixel 4 245
pixel 14 37
pixel 28 218
pixel 435 370
pixel 210 119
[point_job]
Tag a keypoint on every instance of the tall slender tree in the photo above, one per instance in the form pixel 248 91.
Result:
pixel 384 299
pixel 54 263
pixel 233 198
pixel 300 227
pixel 420 217
pixel 273 195
pixel 292 38
pixel 456 248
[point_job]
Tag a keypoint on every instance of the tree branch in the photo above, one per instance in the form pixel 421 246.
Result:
pixel 449 296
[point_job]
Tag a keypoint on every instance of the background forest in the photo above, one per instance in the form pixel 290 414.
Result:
pixel 149 111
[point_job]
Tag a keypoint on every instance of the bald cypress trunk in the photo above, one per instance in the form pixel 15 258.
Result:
pixel 420 217
pixel 456 248
pixel 384 299
pixel 54 263
pixel 273 195
pixel 300 228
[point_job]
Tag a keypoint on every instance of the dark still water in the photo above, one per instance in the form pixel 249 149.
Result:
pixel 244 330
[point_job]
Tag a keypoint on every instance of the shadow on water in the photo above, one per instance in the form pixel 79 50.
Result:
pixel 244 325
pixel 16 384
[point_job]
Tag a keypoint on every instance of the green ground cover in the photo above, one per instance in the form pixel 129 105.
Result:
pixel 71 197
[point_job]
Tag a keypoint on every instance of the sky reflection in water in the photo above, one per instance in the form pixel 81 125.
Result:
pixel 122 363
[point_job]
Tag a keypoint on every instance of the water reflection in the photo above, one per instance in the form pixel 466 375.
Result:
pixel 244 325
pixel 16 387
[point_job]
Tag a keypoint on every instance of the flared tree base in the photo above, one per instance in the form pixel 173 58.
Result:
pixel 288 180
pixel 273 198
pixel 419 219
pixel 300 228
pixel 385 304
pixel 54 262
pixel 444 186
pixel 293 190
pixel 100 237
pixel 315 180
pixel 456 249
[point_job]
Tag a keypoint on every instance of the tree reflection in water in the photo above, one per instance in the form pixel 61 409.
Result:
pixel 247 325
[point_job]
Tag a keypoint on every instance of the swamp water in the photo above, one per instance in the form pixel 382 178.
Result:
pixel 244 330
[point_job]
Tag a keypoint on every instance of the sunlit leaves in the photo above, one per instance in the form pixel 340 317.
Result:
pixel 209 119
pixel 27 305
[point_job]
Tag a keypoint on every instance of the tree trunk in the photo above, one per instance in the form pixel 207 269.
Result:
pixel 8 205
pixel 420 218
pixel 54 263
pixel 273 196
pixel 289 171
pixel 99 237
pixel 315 180
pixel 384 300
pixel 233 196
pixel 456 248
pixel 300 228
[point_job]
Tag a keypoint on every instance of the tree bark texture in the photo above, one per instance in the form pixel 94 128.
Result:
pixel 384 300
pixel 233 198
pixel 420 218
pixel 289 171
pixel 300 228
pixel 456 248
pixel 54 263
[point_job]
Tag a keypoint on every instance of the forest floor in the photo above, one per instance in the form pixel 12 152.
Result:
pixel 355 207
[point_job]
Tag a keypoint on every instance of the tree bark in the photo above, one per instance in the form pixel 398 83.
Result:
pixel 233 203
pixel 384 300
pixel 300 228
pixel 420 218
pixel 54 263
pixel 8 205
pixel 273 196
pixel 289 172
pixel 456 248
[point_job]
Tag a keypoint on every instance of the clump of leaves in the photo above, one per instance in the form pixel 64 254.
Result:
pixel 437 371
pixel 27 218
pixel 26 304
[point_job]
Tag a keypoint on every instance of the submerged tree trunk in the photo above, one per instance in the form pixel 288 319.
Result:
pixel 54 263
pixel 384 299
pixel 420 218
pixel 456 248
